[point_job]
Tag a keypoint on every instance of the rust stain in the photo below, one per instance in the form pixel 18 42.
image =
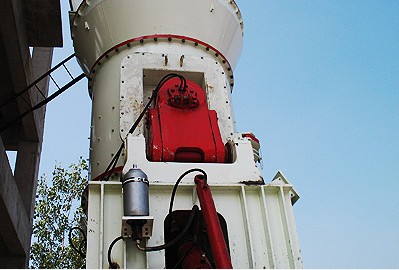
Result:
pixel 253 183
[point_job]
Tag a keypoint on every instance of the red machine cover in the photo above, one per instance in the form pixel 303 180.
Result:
pixel 181 128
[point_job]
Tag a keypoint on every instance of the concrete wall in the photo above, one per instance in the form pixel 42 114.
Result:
pixel 23 24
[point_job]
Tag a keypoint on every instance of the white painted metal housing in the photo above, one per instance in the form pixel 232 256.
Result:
pixel 106 32
pixel 260 220
pixel 100 25
pixel 125 47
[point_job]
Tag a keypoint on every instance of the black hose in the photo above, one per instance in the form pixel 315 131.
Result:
pixel 194 211
pixel 78 250
pixel 113 265
pixel 172 198
pixel 111 166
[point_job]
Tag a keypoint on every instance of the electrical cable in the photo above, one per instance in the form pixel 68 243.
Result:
pixel 193 213
pixel 78 250
pixel 183 84
pixel 113 265
pixel 111 166
pixel 113 163
pixel 178 182
pixel 194 243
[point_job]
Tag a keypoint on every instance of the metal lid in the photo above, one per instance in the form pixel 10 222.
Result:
pixel 135 173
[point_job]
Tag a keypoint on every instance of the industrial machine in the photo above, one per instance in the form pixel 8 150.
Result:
pixel 172 182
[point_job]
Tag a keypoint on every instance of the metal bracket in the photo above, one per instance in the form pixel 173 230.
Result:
pixel 147 228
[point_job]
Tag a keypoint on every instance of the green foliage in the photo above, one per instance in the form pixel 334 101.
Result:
pixel 57 210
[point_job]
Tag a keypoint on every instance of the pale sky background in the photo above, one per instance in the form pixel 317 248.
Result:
pixel 318 84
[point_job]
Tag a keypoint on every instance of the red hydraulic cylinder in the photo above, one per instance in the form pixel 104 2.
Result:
pixel 215 234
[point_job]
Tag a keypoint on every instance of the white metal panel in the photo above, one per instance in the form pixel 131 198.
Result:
pixel 132 92
pixel 243 169
pixel 105 137
pixel 261 226
pixel 117 93
pixel 100 25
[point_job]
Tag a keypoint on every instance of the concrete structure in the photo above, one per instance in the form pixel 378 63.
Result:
pixel 23 24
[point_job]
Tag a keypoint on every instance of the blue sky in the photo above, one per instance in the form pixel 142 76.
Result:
pixel 318 84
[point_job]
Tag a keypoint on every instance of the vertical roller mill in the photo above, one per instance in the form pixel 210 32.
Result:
pixel 160 75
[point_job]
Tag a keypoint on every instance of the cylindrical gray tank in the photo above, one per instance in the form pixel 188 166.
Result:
pixel 135 193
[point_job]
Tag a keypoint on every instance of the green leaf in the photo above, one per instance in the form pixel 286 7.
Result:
pixel 57 210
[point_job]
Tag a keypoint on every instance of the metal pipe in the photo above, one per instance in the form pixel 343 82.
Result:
pixel 215 234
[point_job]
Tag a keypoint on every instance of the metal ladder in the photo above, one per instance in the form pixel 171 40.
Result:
pixel 45 100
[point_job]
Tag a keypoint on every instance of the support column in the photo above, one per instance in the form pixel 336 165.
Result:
pixel 28 157
pixel 15 228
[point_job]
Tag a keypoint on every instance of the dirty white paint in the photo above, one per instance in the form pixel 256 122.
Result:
pixel 260 222
pixel 123 47
pixel 203 70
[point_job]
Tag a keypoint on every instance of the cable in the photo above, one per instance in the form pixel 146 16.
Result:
pixel 193 213
pixel 183 84
pixel 194 241
pixel 178 182
pixel 78 250
pixel 113 162
pixel 113 265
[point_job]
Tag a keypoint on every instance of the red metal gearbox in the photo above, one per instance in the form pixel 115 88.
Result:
pixel 181 128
